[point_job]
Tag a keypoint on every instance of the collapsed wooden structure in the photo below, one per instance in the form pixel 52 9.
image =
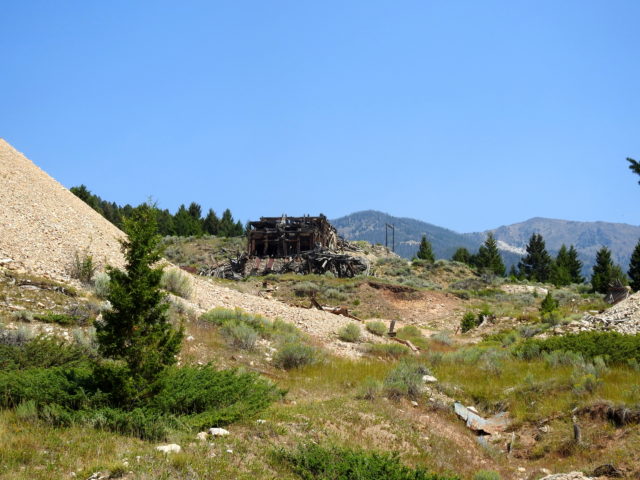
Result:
pixel 291 244
pixel 287 236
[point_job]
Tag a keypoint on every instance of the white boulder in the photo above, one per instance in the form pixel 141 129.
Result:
pixel 171 448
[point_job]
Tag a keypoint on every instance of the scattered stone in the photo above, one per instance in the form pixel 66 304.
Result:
pixel 261 421
pixel 414 403
pixel 202 436
pixel 429 379
pixel 190 338
pixel 171 448
pixel 218 432
pixel 229 450
pixel 567 476
pixel 522 469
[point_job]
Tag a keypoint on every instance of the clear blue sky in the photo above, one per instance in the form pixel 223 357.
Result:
pixel 465 114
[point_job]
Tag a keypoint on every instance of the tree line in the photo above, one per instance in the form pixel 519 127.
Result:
pixel 537 265
pixel 186 222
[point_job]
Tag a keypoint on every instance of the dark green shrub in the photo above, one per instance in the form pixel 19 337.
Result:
pixel 67 387
pixel 59 318
pixel 469 322
pixel 204 397
pixel 41 352
pixel 314 462
pixel 549 304
pixel 618 347
pixel 294 355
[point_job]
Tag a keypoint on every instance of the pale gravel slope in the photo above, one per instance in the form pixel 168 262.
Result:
pixel 43 225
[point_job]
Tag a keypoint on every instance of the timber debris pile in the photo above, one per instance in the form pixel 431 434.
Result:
pixel 302 245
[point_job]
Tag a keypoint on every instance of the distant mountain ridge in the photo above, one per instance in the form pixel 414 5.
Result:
pixel 587 237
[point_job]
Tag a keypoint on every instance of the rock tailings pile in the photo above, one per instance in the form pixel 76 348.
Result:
pixel 623 317
pixel 43 225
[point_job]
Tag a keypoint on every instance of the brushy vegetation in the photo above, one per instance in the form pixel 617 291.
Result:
pixel 350 333
pixel 387 350
pixel 83 267
pixel 101 284
pixel 239 335
pixel 405 380
pixel 177 282
pixel 616 347
pixel 486 475
pixel 295 355
pixel 376 327
pixel 72 390
pixel 316 462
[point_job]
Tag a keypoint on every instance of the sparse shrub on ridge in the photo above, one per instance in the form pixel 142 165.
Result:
pixel 313 461
pixel 376 327
pixel 101 284
pixel 83 267
pixel 442 338
pixel 387 350
pixel 176 282
pixel 294 355
pixel 405 380
pixel 350 333
pixel 369 389
pixel 486 475
pixel 239 335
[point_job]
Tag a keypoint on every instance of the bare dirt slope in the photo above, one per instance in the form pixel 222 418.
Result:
pixel 43 225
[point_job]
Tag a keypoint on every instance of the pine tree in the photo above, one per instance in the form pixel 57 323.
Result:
pixel 227 225
pixel 604 271
pixel 549 304
pixel 185 224
pixel 574 266
pixel 425 252
pixel 560 274
pixel 537 264
pixel 462 255
pixel 488 257
pixel 634 268
pixel 211 223
pixel 634 165
pixel 136 329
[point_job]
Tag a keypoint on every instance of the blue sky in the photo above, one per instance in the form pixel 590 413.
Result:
pixel 465 114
